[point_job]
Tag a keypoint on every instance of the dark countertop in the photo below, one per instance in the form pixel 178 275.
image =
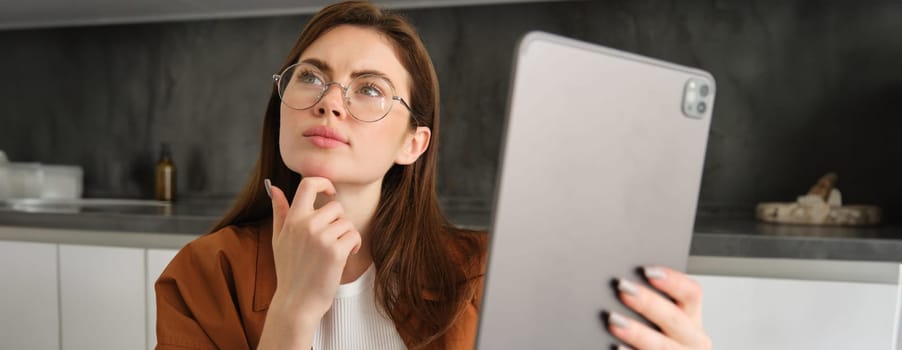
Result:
pixel 746 237
pixel 193 216
pixel 715 235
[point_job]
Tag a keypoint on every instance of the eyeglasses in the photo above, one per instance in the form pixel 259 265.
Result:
pixel 368 97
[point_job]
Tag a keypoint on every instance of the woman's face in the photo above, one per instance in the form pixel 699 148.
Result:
pixel 325 140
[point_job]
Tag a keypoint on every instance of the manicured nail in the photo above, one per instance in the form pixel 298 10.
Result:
pixel 653 273
pixel 268 189
pixel 617 320
pixel 627 287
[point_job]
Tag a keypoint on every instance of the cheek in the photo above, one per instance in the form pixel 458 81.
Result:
pixel 382 142
pixel 283 127
pixel 288 124
pixel 394 134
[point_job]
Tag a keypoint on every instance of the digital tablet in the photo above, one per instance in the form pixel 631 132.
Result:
pixel 599 174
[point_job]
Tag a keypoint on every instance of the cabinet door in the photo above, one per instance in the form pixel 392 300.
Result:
pixel 102 297
pixel 157 259
pixel 768 313
pixel 29 307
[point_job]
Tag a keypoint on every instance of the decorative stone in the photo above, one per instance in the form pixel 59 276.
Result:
pixel 824 214
pixel 824 185
pixel 835 198
pixel 821 206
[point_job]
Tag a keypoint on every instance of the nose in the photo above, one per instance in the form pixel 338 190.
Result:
pixel 332 102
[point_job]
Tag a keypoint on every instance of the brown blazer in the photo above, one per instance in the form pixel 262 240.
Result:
pixel 215 292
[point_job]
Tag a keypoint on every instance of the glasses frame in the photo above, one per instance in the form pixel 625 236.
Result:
pixel 344 94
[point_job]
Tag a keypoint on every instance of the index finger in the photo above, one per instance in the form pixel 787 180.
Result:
pixel 685 292
pixel 307 190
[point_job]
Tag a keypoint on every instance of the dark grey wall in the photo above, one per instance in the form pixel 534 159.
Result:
pixel 805 87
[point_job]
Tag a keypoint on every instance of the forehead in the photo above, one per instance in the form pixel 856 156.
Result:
pixel 347 49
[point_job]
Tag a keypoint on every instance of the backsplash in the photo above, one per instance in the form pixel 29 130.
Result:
pixel 802 89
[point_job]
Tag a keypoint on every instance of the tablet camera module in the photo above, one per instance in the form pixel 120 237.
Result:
pixel 696 98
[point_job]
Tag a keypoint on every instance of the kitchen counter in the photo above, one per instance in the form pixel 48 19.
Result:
pixel 746 237
pixel 715 235
pixel 194 216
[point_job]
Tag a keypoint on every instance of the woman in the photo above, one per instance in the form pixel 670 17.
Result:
pixel 337 241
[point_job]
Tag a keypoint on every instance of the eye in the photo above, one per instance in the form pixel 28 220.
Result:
pixel 370 90
pixel 309 78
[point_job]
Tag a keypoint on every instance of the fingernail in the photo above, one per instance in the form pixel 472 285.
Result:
pixel 627 287
pixel 653 273
pixel 621 347
pixel 268 189
pixel 617 320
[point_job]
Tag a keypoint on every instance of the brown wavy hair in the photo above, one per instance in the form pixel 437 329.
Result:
pixel 420 284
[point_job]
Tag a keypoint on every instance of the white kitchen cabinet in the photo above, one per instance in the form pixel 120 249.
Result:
pixel 771 313
pixel 157 259
pixel 103 297
pixel 29 307
pixel 58 295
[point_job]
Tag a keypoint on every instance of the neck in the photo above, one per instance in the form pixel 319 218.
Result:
pixel 359 203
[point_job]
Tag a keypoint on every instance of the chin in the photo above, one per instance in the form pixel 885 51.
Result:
pixel 313 168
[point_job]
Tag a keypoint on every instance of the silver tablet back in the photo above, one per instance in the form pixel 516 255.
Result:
pixel 600 173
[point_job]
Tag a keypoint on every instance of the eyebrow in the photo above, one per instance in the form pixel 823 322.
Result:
pixel 323 66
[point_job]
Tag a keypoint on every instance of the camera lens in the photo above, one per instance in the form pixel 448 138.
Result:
pixel 701 107
pixel 703 91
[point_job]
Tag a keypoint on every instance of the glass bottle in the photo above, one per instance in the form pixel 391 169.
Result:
pixel 165 176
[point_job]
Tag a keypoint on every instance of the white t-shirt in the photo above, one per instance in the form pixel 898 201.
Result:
pixel 354 322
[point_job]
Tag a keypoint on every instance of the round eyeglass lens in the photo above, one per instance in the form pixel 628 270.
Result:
pixel 368 97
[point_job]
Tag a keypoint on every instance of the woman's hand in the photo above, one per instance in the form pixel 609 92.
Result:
pixel 310 247
pixel 680 320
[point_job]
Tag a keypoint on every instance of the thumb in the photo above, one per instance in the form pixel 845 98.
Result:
pixel 279 207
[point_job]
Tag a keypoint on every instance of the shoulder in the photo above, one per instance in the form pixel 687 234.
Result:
pixel 205 293
pixel 218 250
pixel 469 248
pixel 226 239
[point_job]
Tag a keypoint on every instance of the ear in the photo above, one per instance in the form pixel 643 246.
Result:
pixel 415 143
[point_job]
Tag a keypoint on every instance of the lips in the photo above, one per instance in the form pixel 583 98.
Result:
pixel 325 137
